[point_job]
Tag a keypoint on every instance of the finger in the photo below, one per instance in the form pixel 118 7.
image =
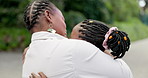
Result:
pixel 42 75
pixel 34 75
pixel 30 76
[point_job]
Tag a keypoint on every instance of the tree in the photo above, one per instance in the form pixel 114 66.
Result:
pixel 92 9
pixel 122 10
pixel 12 12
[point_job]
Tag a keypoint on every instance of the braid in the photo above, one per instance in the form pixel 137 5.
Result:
pixel 34 10
pixel 94 32
pixel 119 43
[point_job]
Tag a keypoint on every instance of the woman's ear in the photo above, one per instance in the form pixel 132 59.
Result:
pixel 47 15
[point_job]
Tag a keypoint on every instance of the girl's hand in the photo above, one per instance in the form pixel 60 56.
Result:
pixel 41 75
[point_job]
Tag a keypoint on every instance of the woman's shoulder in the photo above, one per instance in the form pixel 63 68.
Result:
pixel 76 41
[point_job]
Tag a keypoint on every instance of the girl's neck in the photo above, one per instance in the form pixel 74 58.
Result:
pixel 108 53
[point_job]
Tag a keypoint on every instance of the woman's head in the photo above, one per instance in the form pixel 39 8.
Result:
pixel 94 32
pixel 41 15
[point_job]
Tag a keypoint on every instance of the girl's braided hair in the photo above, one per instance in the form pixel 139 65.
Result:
pixel 34 10
pixel 94 32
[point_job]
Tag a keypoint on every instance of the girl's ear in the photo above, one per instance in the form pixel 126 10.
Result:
pixel 48 15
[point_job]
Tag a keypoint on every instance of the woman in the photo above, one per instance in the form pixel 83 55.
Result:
pixel 104 38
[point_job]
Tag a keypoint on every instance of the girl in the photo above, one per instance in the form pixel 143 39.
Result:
pixel 103 37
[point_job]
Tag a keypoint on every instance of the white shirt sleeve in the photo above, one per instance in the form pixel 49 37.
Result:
pixel 90 62
pixel 85 50
pixel 126 67
pixel 85 58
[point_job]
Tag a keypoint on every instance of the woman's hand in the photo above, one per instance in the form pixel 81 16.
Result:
pixel 41 75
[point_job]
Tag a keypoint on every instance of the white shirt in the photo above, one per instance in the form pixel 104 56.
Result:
pixel 59 57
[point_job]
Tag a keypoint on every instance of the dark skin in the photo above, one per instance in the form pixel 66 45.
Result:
pixel 41 75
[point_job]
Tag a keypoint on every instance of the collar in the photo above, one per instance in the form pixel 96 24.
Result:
pixel 44 35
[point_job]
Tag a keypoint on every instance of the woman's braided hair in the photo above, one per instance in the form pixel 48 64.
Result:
pixel 94 32
pixel 34 10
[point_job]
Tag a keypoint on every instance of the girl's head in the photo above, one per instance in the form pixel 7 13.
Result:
pixel 40 15
pixel 94 32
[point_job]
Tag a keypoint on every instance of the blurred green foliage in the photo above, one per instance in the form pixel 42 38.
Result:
pixel 121 13
pixel 134 27
pixel 14 38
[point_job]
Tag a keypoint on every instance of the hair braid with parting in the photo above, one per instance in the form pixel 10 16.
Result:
pixel 34 10
pixel 94 32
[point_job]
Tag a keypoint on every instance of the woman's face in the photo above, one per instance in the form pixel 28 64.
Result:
pixel 58 22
